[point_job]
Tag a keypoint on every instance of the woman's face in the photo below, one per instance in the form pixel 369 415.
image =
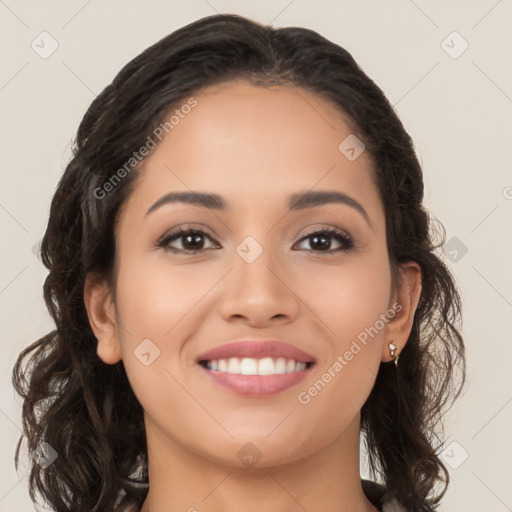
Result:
pixel 264 269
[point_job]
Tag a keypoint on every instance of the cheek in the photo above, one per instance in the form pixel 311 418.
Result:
pixel 155 308
pixel 349 298
pixel 154 299
pixel 352 307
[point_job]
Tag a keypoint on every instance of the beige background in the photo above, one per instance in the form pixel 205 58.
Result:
pixel 458 111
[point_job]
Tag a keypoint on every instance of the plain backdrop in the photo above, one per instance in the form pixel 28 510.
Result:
pixel 444 65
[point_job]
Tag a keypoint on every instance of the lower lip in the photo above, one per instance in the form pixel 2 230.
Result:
pixel 256 385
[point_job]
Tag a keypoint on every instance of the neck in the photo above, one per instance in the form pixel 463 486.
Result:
pixel 328 479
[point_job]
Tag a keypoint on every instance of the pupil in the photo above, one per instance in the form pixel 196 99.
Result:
pixel 326 240
pixel 190 240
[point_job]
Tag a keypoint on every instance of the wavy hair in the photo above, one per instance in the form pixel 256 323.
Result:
pixel 86 410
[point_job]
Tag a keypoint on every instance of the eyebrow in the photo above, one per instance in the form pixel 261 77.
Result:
pixel 299 201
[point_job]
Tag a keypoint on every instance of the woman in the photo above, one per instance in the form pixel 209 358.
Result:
pixel 244 284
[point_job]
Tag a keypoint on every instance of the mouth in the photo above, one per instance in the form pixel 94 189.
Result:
pixel 256 368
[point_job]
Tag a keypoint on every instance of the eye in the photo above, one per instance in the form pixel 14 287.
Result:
pixel 323 240
pixel 192 240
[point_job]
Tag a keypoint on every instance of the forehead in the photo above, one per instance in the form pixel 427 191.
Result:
pixel 253 143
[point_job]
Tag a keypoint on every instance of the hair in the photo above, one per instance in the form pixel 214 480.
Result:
pixel 86 410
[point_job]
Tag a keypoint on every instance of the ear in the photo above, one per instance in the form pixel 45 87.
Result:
pixel 404 304
pixel 101 312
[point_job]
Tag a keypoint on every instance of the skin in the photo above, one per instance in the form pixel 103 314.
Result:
pixel 253 146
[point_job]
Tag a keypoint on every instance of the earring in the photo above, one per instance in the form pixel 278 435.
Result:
pixel 392 350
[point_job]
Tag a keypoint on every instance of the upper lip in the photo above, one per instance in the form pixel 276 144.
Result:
pixel 256 349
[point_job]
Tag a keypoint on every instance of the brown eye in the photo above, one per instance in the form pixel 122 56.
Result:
pixel 321 241
pixel 192 240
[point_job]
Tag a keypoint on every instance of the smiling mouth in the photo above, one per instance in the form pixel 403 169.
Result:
pixel 252 366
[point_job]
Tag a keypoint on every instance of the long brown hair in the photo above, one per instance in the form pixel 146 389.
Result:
pixel 86 410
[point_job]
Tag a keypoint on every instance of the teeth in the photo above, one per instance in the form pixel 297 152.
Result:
pixel 233 365
pixel 250 366
pixel 247 366
pixel 280 365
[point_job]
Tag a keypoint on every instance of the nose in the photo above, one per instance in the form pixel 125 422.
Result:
pixel 259 293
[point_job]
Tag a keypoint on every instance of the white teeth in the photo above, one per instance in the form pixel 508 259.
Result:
pixel 266 366
pixel 250 366
pixel 233 365
pixel 290 366
pixel 280 365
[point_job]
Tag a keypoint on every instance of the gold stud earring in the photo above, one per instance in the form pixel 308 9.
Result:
pixel 392 350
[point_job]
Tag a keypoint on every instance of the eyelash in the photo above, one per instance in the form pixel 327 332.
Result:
pixel 346 241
